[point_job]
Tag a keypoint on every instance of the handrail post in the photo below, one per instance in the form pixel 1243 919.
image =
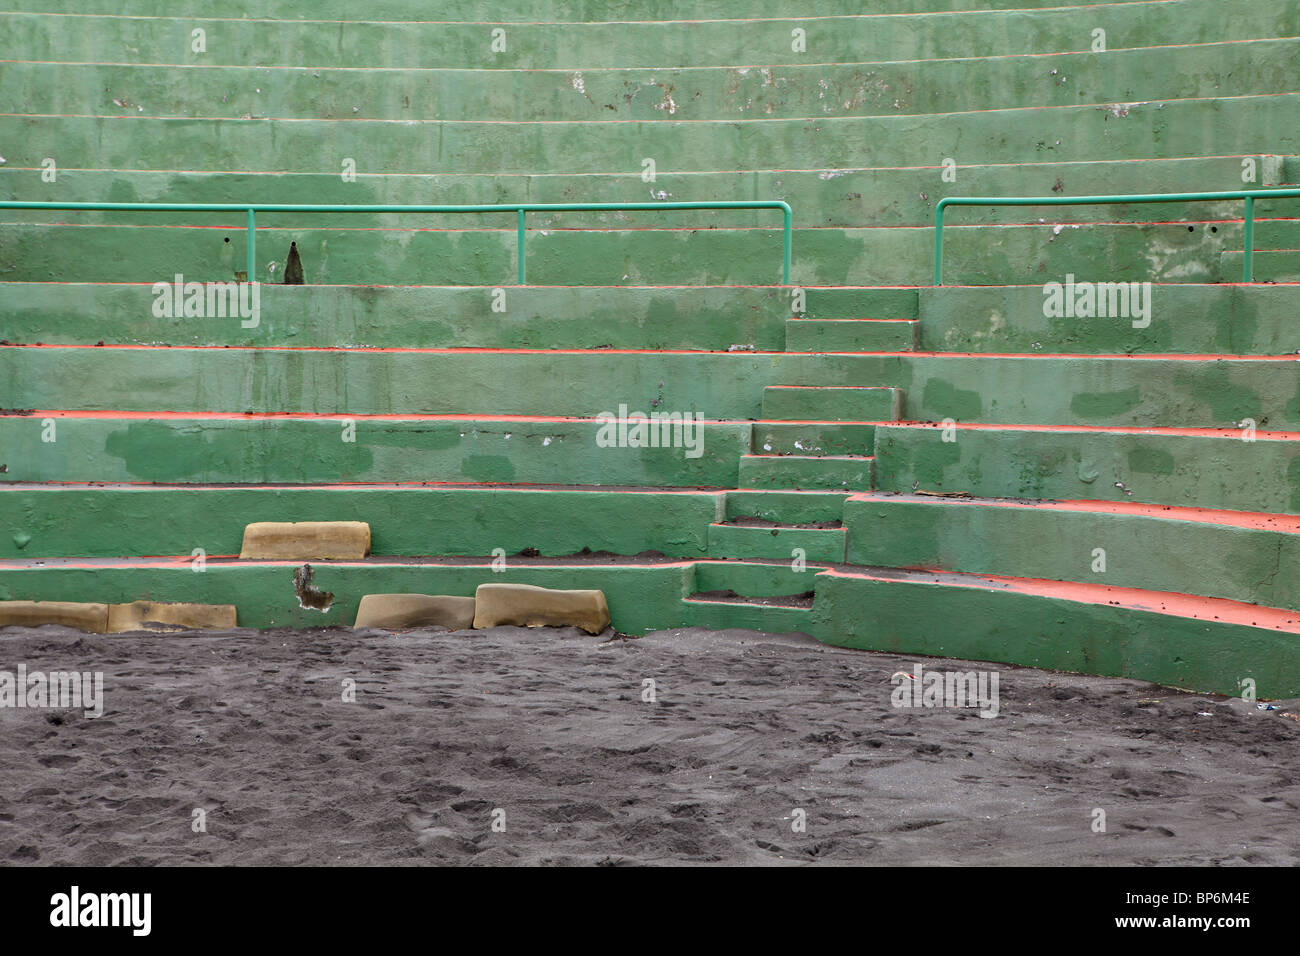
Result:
pixel 519 246
pixel 252 246
pixel 1248 242
pixel 788 244
pixel 938 243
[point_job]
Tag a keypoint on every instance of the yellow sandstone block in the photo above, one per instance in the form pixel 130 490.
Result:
pixel 395 611
pixel 306 540
pixel 524 605
pixel 83 617
pixel 138 615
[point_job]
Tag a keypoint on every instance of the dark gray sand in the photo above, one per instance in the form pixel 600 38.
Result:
pixel 550 727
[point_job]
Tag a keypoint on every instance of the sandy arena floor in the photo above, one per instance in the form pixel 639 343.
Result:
pixel 550 727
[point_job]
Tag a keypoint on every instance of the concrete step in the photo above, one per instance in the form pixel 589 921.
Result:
pixel 851 403
pixel 603 146
pixel 590 317
pixel 755 579
pixel 1268 265
pixel 753 614
pixel 895 86
pixel 784 542
pixel 647 248
pixel 813 438
pixel 1173 319
pixel 310 449
pixel 1240 556
pixel 1189 391
pixel 785 507
pixel 831 472
pixel 657 34
pixel 107 520
pixel 850 335
pixel 1188 467
pixel 1207 645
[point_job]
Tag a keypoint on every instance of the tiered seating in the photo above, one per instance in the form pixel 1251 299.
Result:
pixel 399 388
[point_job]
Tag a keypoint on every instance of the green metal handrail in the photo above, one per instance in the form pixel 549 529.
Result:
pixel 1249 195
pixel 521 209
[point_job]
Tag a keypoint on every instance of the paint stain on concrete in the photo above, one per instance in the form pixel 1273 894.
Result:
pixel 1102 407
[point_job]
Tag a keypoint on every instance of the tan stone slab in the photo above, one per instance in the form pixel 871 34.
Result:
pixel 416 610
pixel 306 540
pixel 83 617
pixel 524 605
pixel 145 615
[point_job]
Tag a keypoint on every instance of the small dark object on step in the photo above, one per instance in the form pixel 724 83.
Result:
pixel 293 266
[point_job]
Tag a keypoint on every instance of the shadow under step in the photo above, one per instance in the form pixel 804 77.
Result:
pixel 719 612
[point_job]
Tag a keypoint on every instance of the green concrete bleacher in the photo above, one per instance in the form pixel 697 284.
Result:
pixel 883 464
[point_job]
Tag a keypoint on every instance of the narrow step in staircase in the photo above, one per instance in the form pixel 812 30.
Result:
pixel 772 597
pixel 774 524
pixel 814 437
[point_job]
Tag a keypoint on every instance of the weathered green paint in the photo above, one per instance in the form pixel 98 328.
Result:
pixel 720 615
pixel 798 471
pixel 754 580
pixel 1154 129
pixel 909 617
pixel 828 404
pixel 1203 472
pixel 422 317
pixel 1037 389
pixel 849 335
pixel 784 507
pixel 817 544
pixel 316 450
pixel 697 93
pixel 640 251
pixel 643 34
pixel 58 521
pixel 1140 551
pixel 1195 319
pixel 799 438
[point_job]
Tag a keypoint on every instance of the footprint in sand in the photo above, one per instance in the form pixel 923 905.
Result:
pixel 59 760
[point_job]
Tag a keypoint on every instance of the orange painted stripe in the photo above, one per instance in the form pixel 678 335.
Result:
pixel 325 416
pixel 1233 433
pixel 363 350
pixel 472 486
